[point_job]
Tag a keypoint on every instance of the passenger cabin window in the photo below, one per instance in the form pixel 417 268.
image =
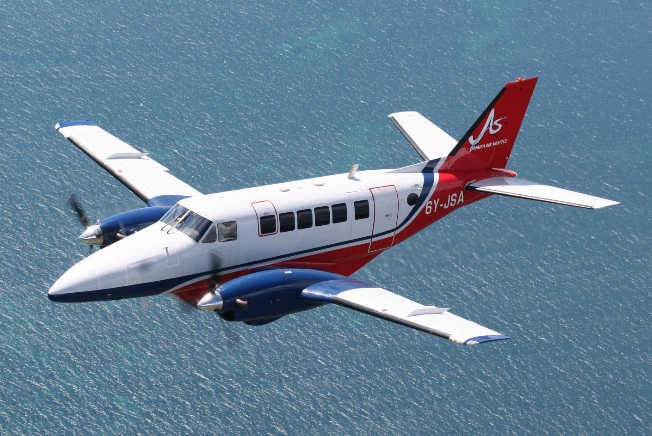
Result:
pixel 339 213
pixel 228 231
pixel 286 221
pixel 361 209
pixel 322 216
pixel 267 224
pixel 304 219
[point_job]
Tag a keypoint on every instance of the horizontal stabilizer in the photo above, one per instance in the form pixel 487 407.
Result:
pixel 384 304
pixel 515 187
pixel 428 140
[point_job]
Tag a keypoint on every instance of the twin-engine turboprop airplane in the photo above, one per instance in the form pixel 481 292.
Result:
pixel 257 254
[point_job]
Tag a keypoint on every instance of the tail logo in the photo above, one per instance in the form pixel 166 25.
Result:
pixel 491 125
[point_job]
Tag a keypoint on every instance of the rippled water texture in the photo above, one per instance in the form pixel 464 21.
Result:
pixel 234 94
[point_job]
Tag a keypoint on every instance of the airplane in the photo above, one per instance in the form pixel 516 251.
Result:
pixel 257 254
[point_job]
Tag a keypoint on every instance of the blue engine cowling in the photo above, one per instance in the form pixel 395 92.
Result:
pixel 116 227
pixel 264 296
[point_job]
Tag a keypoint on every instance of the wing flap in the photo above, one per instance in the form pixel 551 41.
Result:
pixel 521 188
pixel 136 170
pixel 384 304
pixel 428 140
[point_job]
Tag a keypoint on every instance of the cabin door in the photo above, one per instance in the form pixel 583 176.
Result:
pixel 385 215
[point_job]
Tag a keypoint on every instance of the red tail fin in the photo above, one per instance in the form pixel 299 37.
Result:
pixel 489 141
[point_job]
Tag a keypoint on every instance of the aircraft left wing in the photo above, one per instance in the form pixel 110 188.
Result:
pixel 384 304
pixel 142 175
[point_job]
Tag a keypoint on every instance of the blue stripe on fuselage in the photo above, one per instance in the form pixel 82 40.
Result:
pixel 428 182
pixel 162 286
pixel 131 291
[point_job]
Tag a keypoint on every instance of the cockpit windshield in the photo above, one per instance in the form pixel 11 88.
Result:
pixel 186 221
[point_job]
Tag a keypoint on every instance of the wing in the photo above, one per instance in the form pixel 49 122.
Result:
pixel 428 140
pixel 384 304
pixel 145 177
pixel 521 188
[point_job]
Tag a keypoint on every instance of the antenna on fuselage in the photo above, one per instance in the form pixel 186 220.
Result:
pixel 353 170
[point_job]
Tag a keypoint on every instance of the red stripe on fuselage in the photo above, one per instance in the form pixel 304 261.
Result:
pixel 344 261
pixel 448 196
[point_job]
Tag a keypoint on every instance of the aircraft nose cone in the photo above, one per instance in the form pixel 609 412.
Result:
pixel 92 235
pixel 74 285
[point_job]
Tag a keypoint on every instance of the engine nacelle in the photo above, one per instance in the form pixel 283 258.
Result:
pixel 264 296
pixel 116 227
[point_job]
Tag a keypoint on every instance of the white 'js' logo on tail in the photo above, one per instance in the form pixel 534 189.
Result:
pixel 493 126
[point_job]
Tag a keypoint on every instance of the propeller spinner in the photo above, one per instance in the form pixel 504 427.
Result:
pixel 116 227
pixel 92 234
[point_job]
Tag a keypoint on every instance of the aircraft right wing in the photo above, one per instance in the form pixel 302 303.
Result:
pixel 145 177
pixel 384 304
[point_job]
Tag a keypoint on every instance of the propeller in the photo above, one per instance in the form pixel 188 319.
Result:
pixel 232 337
pixel 92 233
pixel 144 303
pixel 212 300
pixel 77 209
pixel 215 267
pixel 184 308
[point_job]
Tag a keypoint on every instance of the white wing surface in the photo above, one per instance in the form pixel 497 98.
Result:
pixel 521 188
pixel 143 176
pixel 428 140
pixel 392 307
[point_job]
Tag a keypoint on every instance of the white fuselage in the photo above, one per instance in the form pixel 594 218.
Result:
pixel 322 220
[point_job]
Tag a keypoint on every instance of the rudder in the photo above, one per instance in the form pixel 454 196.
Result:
pixel 489 141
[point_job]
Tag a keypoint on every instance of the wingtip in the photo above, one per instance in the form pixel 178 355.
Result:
pixel 488 338
pixel 605 203
pixel 62 124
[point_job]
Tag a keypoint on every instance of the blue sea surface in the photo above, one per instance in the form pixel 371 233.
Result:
pixel 237 94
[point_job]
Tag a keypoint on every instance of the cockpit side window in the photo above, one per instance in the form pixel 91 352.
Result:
pixel 211 236
pixel 182 219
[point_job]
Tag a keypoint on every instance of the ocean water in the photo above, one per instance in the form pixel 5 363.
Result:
pixel 236 94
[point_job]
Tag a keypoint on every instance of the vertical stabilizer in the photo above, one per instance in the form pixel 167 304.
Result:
pixel 489 141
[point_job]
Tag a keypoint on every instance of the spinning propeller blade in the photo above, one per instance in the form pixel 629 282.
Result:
pixel 212 300
pixel 215 268
pixel 77 209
